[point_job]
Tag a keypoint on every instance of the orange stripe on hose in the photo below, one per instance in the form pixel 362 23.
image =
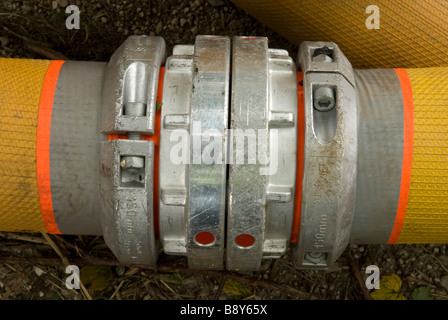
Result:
pixel 408 111
pixel 299 169
pixel 155 139
pixel 43 146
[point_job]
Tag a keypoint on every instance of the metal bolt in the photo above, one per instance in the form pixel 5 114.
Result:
pixel 324 99
pixel 322 58
pixel 136 109
pixel 132 165
pixel 316 257
pixel 132 162
pixel 134 136
pixel 324 50
pixel 132 168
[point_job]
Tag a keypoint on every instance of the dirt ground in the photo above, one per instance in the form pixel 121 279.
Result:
pixel 32 266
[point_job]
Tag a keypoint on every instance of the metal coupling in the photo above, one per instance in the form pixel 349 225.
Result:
pixel 330 156
pixel 127 165
pixel 261 186
pixel 200 187
pixel 227 152
pixel 192 180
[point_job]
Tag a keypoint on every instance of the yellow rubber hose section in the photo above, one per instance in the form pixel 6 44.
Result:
pixel 426 219
pixel 411 33
pixel 21 83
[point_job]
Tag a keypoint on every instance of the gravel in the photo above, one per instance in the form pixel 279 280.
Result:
pixel 104 26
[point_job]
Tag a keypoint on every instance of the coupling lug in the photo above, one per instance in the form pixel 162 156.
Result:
pixel 330 155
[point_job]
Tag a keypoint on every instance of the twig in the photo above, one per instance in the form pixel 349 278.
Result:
pixel 116 290
pixel 221 286
pixel 14 236
pixel 267 284
pixel 65 262
pixel 62 298
pixel 438 260
pixel 56 249
pixel 168 287
pixel 75 247
pixel 355 270
pixel 55 285
pixel 45 51
pixel 93 241
pixel 16 34
pixel 107 261
pixel 11 267
pixel 60 281
pixel 14 15
pixel 426 283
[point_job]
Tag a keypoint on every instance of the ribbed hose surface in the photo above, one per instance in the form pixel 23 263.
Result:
pixel 21 83
pixel 426 219
pixel 411 33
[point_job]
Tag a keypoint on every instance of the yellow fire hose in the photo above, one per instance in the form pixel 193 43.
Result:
pixel 426 215
pixel 21 87
pixel 31 89
pixel 26 84
pixel 410 34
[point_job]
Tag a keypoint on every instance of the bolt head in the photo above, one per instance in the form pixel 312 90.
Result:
pixel 324 99
pixel 322 58
pixel 132 162
pixel 316 257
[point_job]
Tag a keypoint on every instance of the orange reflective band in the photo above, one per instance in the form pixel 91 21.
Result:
pixel 408 114
pixel 156 140
pixel 299 169
pixel 43 146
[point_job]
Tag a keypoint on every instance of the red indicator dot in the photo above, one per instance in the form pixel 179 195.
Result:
pixel 205 238
pixel 245 240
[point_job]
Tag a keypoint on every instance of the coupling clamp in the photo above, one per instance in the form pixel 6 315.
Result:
pixel 222 192
pixel 330 155
pixel 127 165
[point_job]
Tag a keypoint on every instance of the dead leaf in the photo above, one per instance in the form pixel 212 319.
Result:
pixel 96 277
pixel 236 288
pixel 389 289
pixel 422 293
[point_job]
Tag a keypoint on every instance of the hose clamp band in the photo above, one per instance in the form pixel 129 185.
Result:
pixel 330 155
pixel 127 165
pixel 261 183
pixel 192 178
